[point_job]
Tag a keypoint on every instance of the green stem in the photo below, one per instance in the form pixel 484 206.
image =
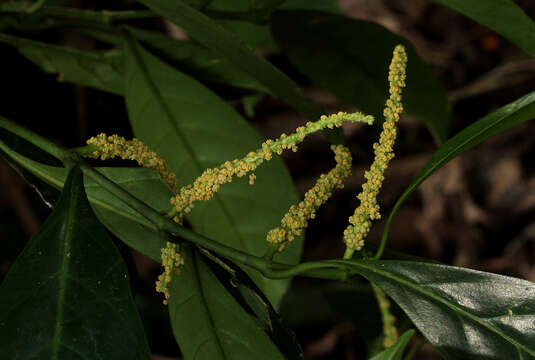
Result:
pixel 271 251
pixel 102 16
pixel 380 249
pixel 39 141
pixel 348 253
pixel 321 269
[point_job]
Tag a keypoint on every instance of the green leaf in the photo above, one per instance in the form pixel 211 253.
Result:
pixel 198 61
pixel 229 45
pixel 502 16
pixel 490 125
pixel 122 221
pixel 67 295
pixel 207 322
pixel 395 352
pixel 256 35
pixel 101 70
pixel 351 58
pixel 243 289
pixel 465 314
pixel 193 129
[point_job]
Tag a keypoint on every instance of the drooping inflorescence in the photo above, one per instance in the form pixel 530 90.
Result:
pixel 109 147
pixel 360 221
pixel 295 220
pixel 206 185
pixel 390 332
pixel 171 261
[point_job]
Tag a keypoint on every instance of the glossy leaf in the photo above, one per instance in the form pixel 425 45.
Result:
pixel 67 295
pixel 243 289
pixel 503 16
pixel 490 125
pixel 193 129
pixel 101 70
pixel 465 314
pixel 351 58
pixel 395 352
pixel 208 322
pixel 229 45
pixel 123 222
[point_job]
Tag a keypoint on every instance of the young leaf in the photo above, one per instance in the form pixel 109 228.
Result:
pixel 122 221
pixel 226 43
pixel 492 124
pixel 502 16
pixel 179 119
pixel 67 295
pixel 351 57
pixel 207 322
pixel 395 352
pixel 88 68
pixel 465 314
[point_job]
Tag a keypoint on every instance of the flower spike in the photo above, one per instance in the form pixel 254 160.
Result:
pixel 206 185
pixel 295 220
pixel 109 147
pixel 360 221
pixel 171 261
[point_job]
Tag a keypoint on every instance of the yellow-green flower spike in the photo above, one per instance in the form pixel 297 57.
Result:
pixel 206 185
pixel 171 261
pixel 113 146
pixel 360 221
pixel 390 332
pixel 295 220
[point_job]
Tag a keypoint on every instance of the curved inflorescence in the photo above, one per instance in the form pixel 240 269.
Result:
pixel 206 185
pixel 368 210
pixel 390 332
pixel 171 261
pixel 109 147
pixel 295 220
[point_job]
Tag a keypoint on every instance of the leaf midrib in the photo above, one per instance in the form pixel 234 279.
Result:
pixel 439 299
pixel 65 247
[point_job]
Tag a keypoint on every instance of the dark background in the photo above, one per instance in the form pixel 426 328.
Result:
pixel 476 212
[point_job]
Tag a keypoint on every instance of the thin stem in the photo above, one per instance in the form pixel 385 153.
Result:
pixel 348 253
pixel 39 141
pixel 321 269
pixel 271 251
pixel 102 16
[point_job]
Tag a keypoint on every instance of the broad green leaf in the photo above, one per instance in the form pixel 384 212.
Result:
pixel 229 45
pixel 208 322
pixel 101 70
pixel 254 34
pixel 351 58
pixel 243 289
pixel 193 129
pixel 395 352
pixel 198 61
pixel 67 294
pixel 122 221
pixel 465 314
pixel 502 16
pixel 490 125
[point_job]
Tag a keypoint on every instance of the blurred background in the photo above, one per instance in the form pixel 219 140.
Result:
pixel 477 212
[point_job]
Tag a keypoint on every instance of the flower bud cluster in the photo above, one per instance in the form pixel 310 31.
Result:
pixel 360 221
pixel 113 146
pixel 295 220
pixel 206 185
pixel 171 261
